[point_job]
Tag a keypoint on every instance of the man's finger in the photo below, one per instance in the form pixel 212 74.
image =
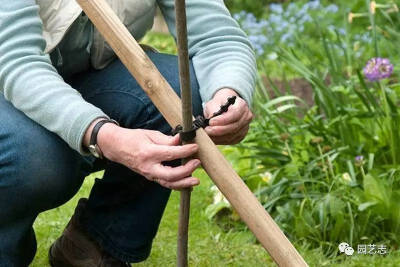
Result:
pixel 232 115
pixel 181 184
pixel 229 129
pixel 210 108
pixel 168 153
pixel 230 139
pixel 172 174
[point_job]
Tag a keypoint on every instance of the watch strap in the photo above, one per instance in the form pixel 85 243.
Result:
pixel 95 131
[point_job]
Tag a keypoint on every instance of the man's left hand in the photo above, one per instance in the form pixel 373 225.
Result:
pixel 232 126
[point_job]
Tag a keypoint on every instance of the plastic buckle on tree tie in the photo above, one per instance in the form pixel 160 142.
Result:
pixel 201 122
pixel 188 136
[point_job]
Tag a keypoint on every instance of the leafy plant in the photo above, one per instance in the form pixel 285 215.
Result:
pixel 329 172
pixel 256 7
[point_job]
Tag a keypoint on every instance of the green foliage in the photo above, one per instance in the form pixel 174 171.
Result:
pixel 300 159
pixel 256 7
pixel 162 42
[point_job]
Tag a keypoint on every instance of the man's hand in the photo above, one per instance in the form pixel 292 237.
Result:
pixel 230 127
pixel 144 152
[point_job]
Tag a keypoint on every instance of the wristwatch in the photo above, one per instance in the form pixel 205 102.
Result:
pixel 94 149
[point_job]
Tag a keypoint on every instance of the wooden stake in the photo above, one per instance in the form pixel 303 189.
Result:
pixel 187 124
pixel 168 103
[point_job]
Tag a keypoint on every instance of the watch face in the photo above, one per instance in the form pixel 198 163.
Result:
pixel 93 151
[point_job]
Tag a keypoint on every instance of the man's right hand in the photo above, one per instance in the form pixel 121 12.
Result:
pixel 144 152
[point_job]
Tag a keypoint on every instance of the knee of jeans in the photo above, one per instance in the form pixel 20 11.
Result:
pixel 38 170
pixel 128 107
pixel 168 66
pixel 196 99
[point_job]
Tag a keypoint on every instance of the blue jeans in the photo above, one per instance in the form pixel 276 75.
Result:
pixel 39 171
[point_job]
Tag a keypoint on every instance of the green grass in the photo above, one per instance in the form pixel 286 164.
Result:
pixel 209 244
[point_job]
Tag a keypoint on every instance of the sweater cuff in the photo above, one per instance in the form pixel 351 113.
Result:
pixel 78 130
pixel 242 86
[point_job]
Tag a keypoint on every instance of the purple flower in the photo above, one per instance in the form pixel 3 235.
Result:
pixel 378 69
pixel 359 161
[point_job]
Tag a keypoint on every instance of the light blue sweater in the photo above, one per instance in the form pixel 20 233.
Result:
pixel 221 54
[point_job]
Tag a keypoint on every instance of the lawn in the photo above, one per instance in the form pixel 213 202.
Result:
pixel 210 244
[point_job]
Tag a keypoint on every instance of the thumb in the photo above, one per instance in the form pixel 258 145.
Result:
pixel 210 108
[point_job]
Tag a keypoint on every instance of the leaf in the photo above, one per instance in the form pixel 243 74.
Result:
pixel 304 155
pixel 283 108
pixel 336 206
pixel 213 209
pixel 366 205
pixel 371 161
pixel 351 170
pixel 376 190
pixel 282 99
pixel 338 228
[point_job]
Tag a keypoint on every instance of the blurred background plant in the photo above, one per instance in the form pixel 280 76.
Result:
pixel 258 8
pixel 323 153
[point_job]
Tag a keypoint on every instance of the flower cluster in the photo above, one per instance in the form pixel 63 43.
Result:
pixel 256 29
pixel 378 69
pixel 282 24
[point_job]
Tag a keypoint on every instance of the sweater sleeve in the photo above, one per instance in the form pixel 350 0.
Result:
pixel 30 82
pixel 222 55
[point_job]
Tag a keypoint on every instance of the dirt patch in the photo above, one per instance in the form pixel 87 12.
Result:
pixel 299 87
